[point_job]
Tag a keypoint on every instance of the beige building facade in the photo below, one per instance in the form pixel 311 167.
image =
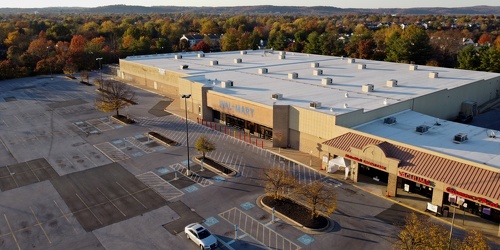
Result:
pixel 322 119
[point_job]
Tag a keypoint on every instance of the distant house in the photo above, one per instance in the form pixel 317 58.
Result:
pixel 467 41
pixel 193 39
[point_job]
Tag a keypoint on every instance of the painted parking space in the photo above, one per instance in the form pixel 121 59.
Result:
pixel 159 185
pixel 258 231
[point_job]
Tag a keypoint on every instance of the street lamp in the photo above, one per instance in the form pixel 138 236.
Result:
pixel 185 97
pixel 100 66
pixel 50 66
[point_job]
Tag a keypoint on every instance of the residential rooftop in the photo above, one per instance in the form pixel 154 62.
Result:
pixel 347 78
pixel 482 145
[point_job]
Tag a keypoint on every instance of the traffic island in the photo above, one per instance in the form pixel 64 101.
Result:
pixel 295 213
pixel 124 120
pixel 215 166
pixel 161 139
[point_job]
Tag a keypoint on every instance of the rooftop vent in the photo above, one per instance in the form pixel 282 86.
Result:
pixel 345 105
pixel 282 53
pixel 178 56
pixel 214 62
pixel 433 75
pixel 386 101
pixel 277 96
pixel 184 66
pixel 367 88
pixel 361 66
pixel 422 129
pixel 392 83
pixel 293 75
pixel 201 55
pixel 413 67
pixel 315 105
pixel 243 52
pixel 281 57
pixel 315 65
pixel 326 81
pixel 226 84
pixel 460 138
pixel 351 60
pixel 237 60
pixel 390 120
pixel 318 72
pixel 263 71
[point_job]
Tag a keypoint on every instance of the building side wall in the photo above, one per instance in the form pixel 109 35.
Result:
pixel 280 126
pixel 360 116
pixel 446 104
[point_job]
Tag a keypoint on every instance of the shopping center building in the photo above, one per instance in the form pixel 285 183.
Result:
pixel 391 122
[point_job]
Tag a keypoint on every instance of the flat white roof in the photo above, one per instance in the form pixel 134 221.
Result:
pixel 479 147
pixel 346 78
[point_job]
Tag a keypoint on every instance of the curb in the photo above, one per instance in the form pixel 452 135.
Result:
pixel 327 228
pixel 205 165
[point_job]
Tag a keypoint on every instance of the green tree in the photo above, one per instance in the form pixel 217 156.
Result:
pixel 468 58
pixel 313 45
pixel 204 146
pixel 410 45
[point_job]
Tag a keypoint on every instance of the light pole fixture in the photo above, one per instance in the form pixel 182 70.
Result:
pixel 100 66
pixel 185 97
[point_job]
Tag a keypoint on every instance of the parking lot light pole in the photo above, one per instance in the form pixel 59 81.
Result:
pixel 185 97
pixel 50 66
pixel 100 67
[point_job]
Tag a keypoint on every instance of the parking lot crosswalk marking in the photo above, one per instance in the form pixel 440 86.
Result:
pixel 159 185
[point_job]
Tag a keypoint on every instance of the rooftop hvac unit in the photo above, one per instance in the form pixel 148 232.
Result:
pixel 422 129
pixel 201 55
pixel 281 57
pixel 460 138
pixel 315 65
pixel 237 60
pixel 390 120
pixel 263 71
pixel 433 75
pixel 413 67
pixel 243 52
pixel 368 88
pixel 361 66
pixel 178 56
pixel 326 81
pixel 351 60
pixel 293 75
pixel 282 53
pixel 226 84
pixel 214 62
pixel 277 96
pixel 318 72
pixel 392 83
pixel 315 105
pixel 184 66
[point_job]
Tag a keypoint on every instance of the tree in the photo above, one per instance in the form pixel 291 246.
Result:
pixel 468 58
pixel 320 197
pixel 84 75
pixel 203 145
pixel 113 96
pixel 278 182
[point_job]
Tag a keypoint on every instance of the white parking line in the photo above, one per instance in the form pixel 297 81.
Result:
pixel 40 225
pixel 12 232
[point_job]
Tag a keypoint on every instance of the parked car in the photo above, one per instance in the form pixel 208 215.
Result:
pixel 200 236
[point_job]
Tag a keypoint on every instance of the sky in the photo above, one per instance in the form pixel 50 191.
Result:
pixel 332 3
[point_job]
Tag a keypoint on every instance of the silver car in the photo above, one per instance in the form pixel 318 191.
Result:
pixel 200 236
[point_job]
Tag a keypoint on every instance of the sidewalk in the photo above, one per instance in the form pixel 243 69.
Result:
pixel 415 202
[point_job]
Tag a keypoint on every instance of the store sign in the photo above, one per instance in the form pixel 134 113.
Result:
pixel 365 162
pixel 236 108
pixel 472 197
pixel 414 178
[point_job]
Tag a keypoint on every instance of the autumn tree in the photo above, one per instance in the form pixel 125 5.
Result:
pixel 204 146
pixel 419 232
pixel 320 197
pixel 113 96
pixel 278 182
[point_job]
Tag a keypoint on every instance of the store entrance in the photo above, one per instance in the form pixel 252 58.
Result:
pixel 414 188
pixel 372 173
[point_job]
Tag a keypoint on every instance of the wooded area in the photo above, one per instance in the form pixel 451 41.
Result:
pixel 32 44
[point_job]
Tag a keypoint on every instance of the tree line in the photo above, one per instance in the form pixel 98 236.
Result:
pixel 32 44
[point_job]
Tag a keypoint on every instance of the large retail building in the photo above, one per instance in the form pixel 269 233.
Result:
pixel 388 121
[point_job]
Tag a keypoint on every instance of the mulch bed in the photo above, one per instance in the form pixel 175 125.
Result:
pixel 124 119
pixel 216 165
pixel 296 212
pixel 162 138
